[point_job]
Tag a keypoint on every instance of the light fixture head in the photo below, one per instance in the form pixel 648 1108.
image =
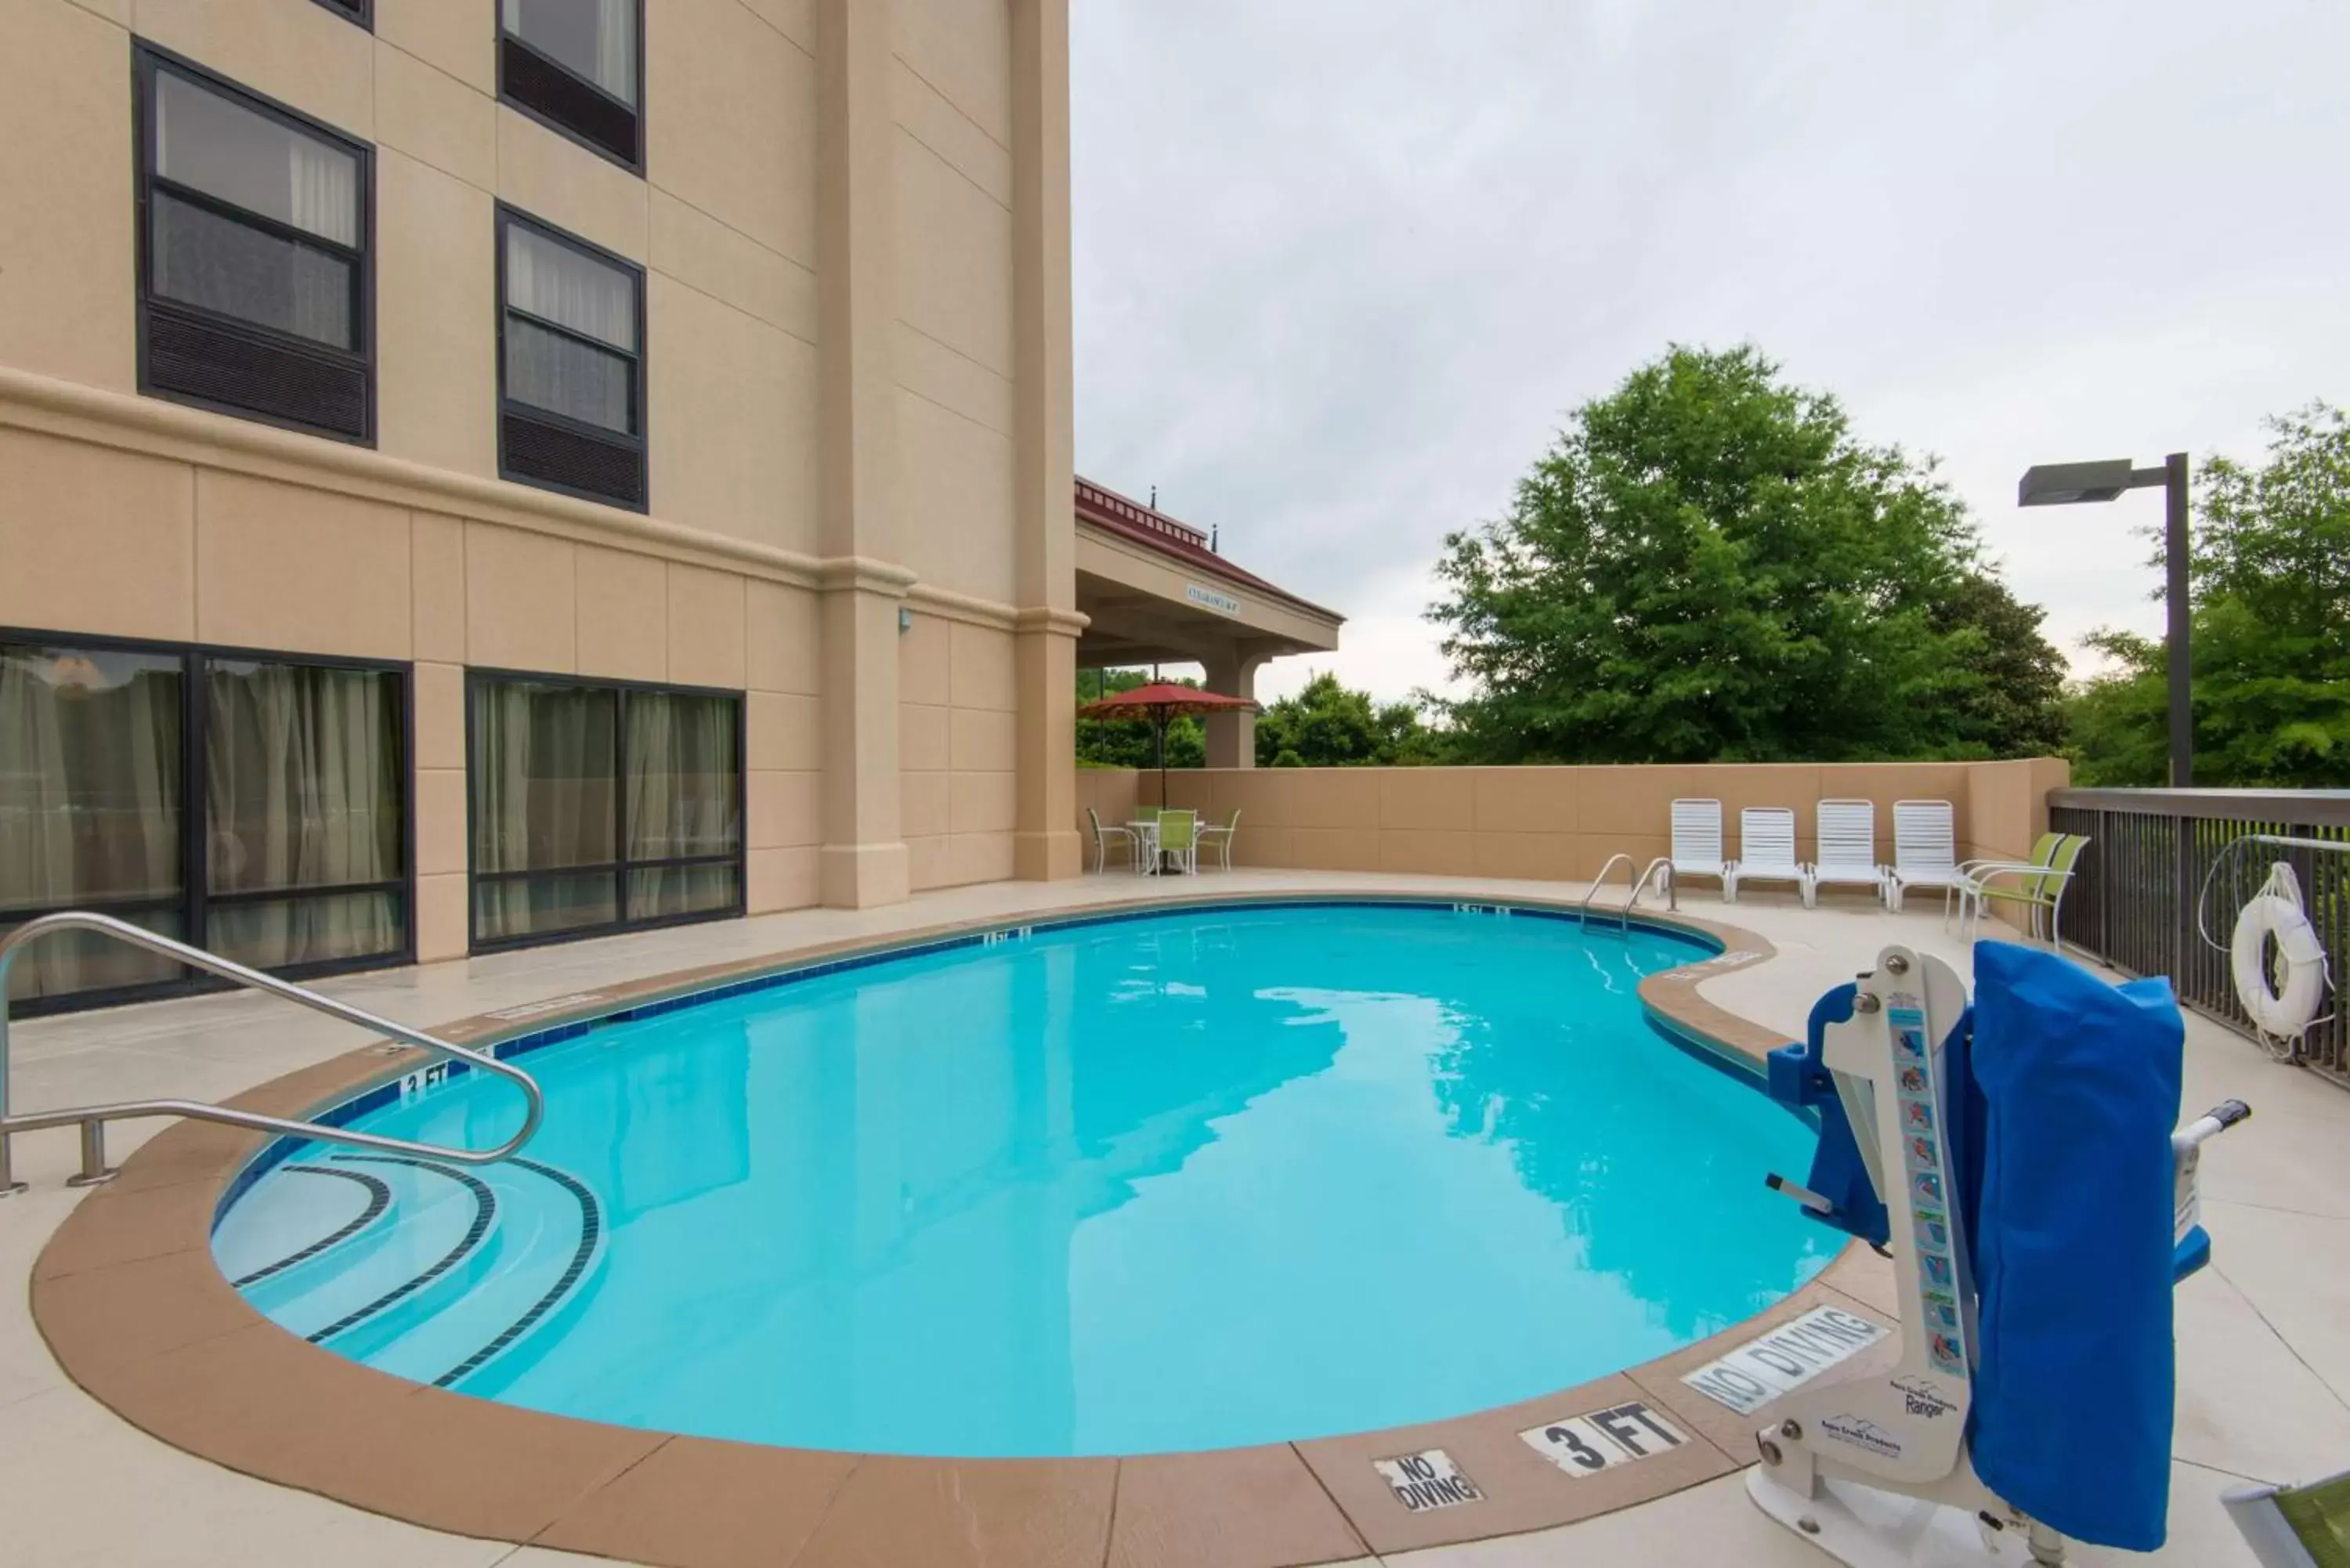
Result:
pixel 2066 484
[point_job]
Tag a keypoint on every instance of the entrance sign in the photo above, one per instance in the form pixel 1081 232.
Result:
pixel 1211 600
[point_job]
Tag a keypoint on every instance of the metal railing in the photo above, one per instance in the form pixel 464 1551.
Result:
pixel 92 1119
pixel 2136 899
pixel 1637 886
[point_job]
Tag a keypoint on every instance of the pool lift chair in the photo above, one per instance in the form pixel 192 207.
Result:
pixel 2017 1160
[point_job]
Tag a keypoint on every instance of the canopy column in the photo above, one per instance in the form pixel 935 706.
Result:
pixel 1232 734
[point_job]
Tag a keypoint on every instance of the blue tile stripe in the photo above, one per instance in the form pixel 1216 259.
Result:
pixel 379 1200
pixel 790 973
pixel 486 1209
pixel 591 1231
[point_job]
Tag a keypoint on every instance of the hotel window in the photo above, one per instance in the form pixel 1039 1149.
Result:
pixel 254 266
pixel 576 66
pixel 598 806
pixel 297 775
pixel 359 11
pixel 571 386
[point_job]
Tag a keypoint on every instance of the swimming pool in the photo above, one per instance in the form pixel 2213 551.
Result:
pixel 1206 1178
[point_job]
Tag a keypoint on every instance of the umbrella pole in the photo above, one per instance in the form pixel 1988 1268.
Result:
pixel 1159 734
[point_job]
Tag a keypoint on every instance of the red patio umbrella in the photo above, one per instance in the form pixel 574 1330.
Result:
pixel 1159 703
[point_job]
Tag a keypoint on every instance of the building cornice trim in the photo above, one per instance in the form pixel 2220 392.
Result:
pixel 152 428
pixel 1051 621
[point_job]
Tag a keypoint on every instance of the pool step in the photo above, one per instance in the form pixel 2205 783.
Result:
pixel 419 1268
pixel 437 1223
pixel 550 1243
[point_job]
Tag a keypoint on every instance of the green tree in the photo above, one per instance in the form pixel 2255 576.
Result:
pixel 1327 725
pixel 1120 744
pixel 1708 566
pixel 2270 637
pixel 2015 706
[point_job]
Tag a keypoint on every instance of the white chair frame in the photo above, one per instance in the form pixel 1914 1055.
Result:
pixel 1846 837
pixel 1766 853
pixel 1104 837
pixel 1696 848
pixel 1219 836
pixel 1925 853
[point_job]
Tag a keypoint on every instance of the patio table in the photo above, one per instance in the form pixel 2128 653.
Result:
pixel 1146 854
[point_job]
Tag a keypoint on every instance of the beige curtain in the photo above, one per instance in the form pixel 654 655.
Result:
pixel 597 39
pixel 220 147
pixel 682 769
pixel 543 775
pixel 547 370
pixel 303 774
pixel 89 804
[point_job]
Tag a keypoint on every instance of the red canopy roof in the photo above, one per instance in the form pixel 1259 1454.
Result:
pixel 1160 699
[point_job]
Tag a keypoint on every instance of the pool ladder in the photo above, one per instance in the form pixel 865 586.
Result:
pixel 92 1119
pixel 1632 893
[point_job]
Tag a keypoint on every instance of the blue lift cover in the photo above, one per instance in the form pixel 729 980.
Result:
pixel 2073 1386
pixel 1800 1080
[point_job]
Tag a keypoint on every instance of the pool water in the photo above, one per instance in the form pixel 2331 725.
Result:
pixel 1182 1182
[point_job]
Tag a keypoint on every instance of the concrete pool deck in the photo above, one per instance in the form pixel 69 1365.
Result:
pixel 2264 1336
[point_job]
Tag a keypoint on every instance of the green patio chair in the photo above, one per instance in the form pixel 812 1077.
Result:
pixel 2039 883
pixel 1178 841
pixel 2295 1526
pixel 1219 838
pixel 2044 850
pixel 1105 835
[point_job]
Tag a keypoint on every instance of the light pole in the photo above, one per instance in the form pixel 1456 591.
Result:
pixel 2065 484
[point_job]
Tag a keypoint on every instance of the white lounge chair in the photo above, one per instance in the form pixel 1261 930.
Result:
pixel 1697 842
pixel 1925 852
pixel 1105 837
pixel 1847 852
pixel 1766 853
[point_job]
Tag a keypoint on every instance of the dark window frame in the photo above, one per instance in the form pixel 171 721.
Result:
pixel 617 869
pixel 195 898
pixel 639 441
pixel 361 13
pixel 501 41
pixel 146 60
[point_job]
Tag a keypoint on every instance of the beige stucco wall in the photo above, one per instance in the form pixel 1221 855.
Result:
pixel 957 736
pixel 722 219
pixel 952 347
pixel 802 269
pixel 107 543
pixel 1561 823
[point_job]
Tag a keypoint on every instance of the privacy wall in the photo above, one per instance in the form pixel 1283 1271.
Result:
pixel 1558 824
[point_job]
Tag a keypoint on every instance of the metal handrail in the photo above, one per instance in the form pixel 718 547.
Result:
pixel 92 1119
pixel 1598 882
pixel 1641 886
pixel 1637 886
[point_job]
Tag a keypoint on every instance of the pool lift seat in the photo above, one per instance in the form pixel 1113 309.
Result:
pixel 1879 1467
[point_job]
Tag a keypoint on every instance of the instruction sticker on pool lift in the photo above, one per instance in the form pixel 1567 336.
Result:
pixel 1426 1480
pixel 1924 1157
pixel 1586 1444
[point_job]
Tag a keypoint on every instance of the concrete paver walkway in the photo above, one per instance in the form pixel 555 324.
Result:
pixel 2263 1334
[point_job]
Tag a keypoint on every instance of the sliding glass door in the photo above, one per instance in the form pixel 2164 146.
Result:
pixel 254 804
pixel 598 808
pixel 93 791
pixel 304 779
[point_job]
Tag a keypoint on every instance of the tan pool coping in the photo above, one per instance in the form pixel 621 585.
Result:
pixel 133 1306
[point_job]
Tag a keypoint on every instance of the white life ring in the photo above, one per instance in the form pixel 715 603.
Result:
pixel 2281 1010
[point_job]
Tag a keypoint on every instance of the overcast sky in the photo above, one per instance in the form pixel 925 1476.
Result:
pixel 1344 266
